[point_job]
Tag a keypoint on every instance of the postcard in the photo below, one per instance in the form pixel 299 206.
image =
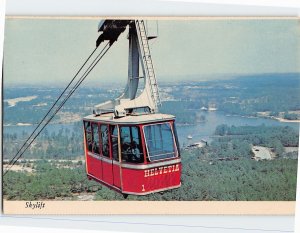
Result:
pixel 150 115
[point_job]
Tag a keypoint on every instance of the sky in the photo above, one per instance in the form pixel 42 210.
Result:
pixel 42 51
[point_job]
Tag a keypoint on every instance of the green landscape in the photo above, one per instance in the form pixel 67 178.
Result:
pixel 224 170
pixel 240 118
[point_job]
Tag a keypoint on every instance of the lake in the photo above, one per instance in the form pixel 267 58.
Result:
pixel 213 119
pixel 198 131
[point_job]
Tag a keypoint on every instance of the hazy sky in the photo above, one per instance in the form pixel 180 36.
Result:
pixel 51 51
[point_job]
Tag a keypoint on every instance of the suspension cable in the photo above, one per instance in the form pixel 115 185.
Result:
pixel 53 105
pixel 82 78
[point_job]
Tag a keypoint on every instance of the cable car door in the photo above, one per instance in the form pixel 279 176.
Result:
pixel 115 155
pixel 107 175
pixel 93 160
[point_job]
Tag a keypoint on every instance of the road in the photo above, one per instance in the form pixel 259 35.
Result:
pixel 261 152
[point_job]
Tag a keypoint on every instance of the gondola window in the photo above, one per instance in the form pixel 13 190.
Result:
pixel 159 141
pixel 95 138
pixel 88 135
pixel 131 149
pixel 104 137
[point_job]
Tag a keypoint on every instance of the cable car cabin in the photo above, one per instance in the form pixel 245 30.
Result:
pixel 129 145
pixel 134 154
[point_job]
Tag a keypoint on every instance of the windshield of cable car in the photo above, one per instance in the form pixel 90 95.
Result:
pixel 159 141
pixel 131 146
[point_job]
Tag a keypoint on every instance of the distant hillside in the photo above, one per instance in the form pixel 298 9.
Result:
pixel 276 95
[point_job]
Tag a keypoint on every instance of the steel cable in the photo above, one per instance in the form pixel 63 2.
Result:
pixel 82 78
pixel 52 107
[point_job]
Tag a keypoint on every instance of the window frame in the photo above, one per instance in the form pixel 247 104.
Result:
pixel 176 138
pixel 86 138
pixel 111 137
pixel 174 142
pixel 141 142
pixel 99 138
pixel 108 141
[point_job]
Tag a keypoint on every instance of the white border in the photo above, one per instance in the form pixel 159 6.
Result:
pixel 155 7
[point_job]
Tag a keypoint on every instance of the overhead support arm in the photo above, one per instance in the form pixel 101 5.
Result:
pixel 139 53
pixel 133 63
pixel 111 30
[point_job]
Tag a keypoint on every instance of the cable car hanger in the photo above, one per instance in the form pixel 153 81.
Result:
pixel 128 102
pixel 129 146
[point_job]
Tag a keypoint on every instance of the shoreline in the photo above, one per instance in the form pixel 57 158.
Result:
pixel 178 124
pixel 285 120
pixel 265 117
pixel 29 124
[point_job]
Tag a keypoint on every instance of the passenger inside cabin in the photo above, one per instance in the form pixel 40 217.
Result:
pixel 136 155
pixel 104 137
pixel 89 136
pixel 131 145
pixel 90 142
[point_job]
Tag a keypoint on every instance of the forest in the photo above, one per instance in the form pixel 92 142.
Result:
pixel 225 169
pixel 222 170
pixel 244 136
pixel 244 95
pixel 243 180
pixel 64 144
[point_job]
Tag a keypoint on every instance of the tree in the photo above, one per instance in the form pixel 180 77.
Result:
pixel 221 130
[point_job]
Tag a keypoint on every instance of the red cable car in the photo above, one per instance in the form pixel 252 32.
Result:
pixel 129 146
